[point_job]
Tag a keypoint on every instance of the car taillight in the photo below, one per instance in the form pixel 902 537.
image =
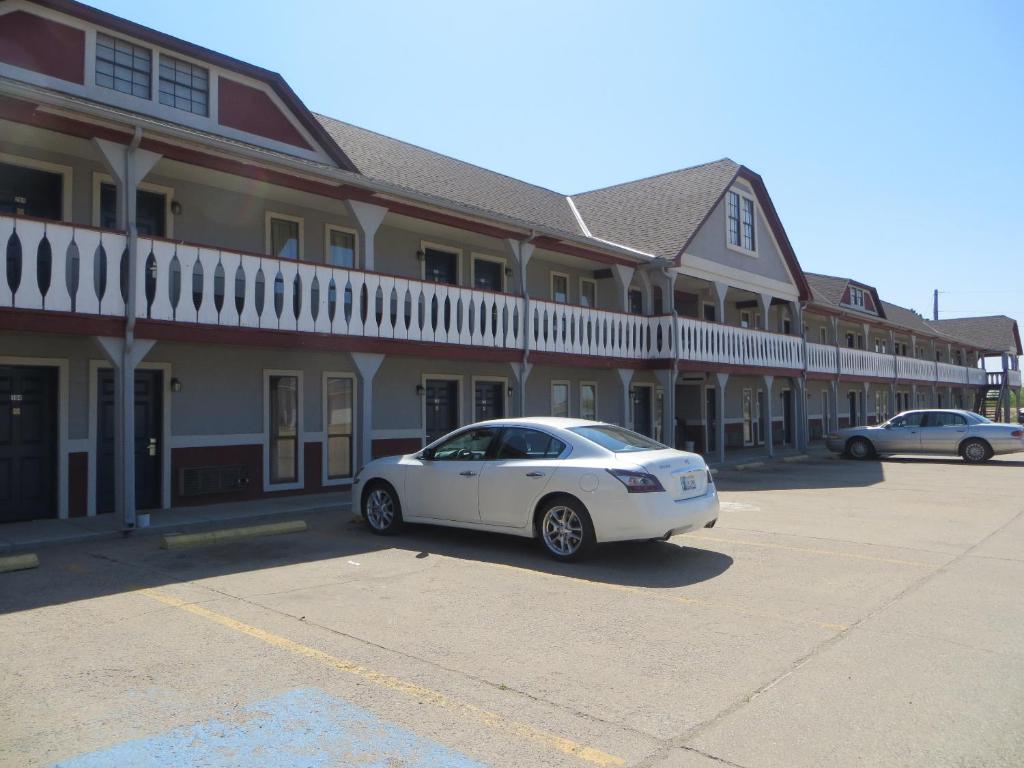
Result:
pixel 711 478
pixel 637 482
pixel 1017 433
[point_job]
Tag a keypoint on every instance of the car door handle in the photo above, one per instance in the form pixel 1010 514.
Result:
pixel 468 473
pixel 535 474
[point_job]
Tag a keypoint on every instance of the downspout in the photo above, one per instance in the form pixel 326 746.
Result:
pixel 127 371
pixel 527 325
pixel 805 424
pixel 671 298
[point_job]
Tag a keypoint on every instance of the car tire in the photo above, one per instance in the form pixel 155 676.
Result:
pixel 381 508
pixel 975 451
pixel 565 529
pixel 860 448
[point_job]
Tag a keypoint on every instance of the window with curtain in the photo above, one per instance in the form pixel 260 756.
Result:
pixel 284 429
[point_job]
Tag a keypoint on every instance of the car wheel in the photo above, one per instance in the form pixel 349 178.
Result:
pixel 859 448
pixel 565 529
pixel 975 451
pixel 382 509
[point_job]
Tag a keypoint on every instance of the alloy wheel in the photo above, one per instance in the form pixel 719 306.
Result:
pixel 974 451
pixel 380 509
pixel 562 530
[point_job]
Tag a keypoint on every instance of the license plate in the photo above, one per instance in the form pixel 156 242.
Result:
pixel 689 483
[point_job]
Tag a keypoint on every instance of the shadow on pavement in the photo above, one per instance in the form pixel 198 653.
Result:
pixel 803 475
pixel 86 570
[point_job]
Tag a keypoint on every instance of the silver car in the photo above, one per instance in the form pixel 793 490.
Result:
pixel 951 432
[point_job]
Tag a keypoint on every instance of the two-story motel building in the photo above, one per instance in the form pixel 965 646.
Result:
pixel 287 295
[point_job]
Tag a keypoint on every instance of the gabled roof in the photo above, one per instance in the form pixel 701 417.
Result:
pixel 659 214
pixel 420 170
pixel 909 319
pixel 993 333
pixel 828 290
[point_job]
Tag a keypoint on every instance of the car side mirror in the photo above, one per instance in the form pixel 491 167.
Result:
pixel 427 454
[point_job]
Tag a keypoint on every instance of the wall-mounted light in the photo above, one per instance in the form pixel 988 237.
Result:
pixel 508 272
pixel 175 208
pixel 420 391
pixel 510 390
pixel 175 385
pixel 420 255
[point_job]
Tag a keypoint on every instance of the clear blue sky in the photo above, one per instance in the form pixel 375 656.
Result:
pixel 889 134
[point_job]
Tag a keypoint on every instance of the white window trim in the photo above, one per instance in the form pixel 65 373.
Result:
pixel 66 173
pixel 456 252
pixel 300 442
pixel 474 256
pixel 99 179
pixel 458 379
pixel 503 380
pixel 284 217
pixel 590 281
pixel 325 480
pixel 328 228
pixel 158 57
pixel 597 408
pixel 743 193
pixel 551 281
pixel 568 396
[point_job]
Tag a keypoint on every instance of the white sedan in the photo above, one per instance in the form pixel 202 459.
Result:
pixel 569 482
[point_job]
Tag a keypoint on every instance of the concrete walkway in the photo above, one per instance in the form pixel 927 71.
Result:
pixel 33 534
pixel 751 458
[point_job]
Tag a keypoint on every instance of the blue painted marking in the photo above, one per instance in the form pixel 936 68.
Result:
pixel 304 728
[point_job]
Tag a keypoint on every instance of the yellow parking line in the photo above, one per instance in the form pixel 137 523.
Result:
pixel 809 550
pixel 657 596
pixel 488 718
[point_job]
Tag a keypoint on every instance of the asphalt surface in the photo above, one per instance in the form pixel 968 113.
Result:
pixel 840 614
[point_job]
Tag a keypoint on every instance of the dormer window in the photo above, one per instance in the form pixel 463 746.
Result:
pixel 123 67
pixel 740 222
pixel 856 297
pixel 183 85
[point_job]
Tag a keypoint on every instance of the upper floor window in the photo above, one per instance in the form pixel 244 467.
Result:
pixel 740 221
pixel 284 236
pixel 559 288
pixel 588 292
pixel 183 85
pixel 341 247
pixel 823 334
pixel 123 67
pixel 636 302
pixel 856 297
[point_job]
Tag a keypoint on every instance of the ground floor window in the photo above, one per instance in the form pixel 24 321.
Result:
pixel 826 413
pixel 560 398
pixel 748 417
pixel 283 431
pixel 588 400
pixel 338 425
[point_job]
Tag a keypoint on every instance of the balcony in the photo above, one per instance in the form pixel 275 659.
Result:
pixel 73 269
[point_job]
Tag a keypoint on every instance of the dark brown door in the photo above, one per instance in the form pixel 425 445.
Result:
pixel 442 408
pixel 642 410
pixel 148 440
pixel 28 443
pixel 489 400
pixel 787 417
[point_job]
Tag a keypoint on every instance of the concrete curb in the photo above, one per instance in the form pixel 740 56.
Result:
pixel 799 457
pixel 750 465
pixel 222 535
pixel 20 562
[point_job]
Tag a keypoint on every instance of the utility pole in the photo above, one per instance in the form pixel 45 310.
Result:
pixel 935 305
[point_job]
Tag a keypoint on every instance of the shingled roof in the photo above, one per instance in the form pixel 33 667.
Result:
pixel 994 333
pixel 659 214
pixel 829 290
pixel 422 171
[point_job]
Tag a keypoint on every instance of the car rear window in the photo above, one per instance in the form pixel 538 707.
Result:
pixel 617 439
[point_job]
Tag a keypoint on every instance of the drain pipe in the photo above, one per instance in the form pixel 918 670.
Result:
pixel 676 354
pixel 527 325
pixel 805 428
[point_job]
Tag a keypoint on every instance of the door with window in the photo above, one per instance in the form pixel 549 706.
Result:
pixel 748 417
pixel 488 400
pixel 28 443
pixel 444 483
pixel 488 274
pixel 514 480
pixel 941 431
pixel 442 408
pixel 760 410
pixel 643 410
pixel 30 192
pixel 148 445
pixel 902 434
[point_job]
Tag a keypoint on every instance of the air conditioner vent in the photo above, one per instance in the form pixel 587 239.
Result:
pixel 201 481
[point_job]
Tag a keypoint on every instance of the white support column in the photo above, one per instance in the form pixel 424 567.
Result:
pixel 721 379
pixel 834 411
pixel 367 364
pixel 368 219
pixel 801 426
pixel 626 376
pixel 721 289
pixel 764 300
pixel 866 404
pixel 667 379
pixel 623 277
pixel 769 428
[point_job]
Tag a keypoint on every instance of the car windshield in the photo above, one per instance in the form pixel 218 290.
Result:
pixel 617 439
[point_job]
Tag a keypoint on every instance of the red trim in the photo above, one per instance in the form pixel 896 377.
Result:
pixel 42 45
pixel 249 109
pixel 78 484
pixel 397 446
pixel 589 361
pixel 152 36
pixel 740 370
pixel 39 321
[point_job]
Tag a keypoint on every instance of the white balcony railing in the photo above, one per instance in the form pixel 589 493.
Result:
pixel 65 268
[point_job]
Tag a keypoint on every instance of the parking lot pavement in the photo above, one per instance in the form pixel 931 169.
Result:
pixel 840 613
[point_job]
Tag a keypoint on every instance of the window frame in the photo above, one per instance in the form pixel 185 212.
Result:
pixel 135 46
pixel 568 397
pixel 66 172
pixel 741 195
pixel 267 244
pixel 99 179
pixel 325 478
pixel 630 293
pixel 503 380
pixel 591 282
pixel 452 250
pixel 596 407
pixel 299 481
pixel 551 283
pixel 496 445
pixel 328 229
pixel 158 79
pixel 475 256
